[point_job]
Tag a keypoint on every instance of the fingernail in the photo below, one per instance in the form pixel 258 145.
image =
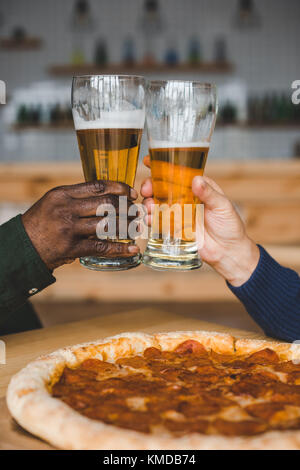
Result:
pixel 133 249
pixel 133 193
pixel 199 181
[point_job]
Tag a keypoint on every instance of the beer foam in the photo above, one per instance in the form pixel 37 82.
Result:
pixel 133 119
pixel 162 144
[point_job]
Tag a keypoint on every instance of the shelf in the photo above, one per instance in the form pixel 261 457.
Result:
pixel 42 127
pixel 91 69
pixel 20 45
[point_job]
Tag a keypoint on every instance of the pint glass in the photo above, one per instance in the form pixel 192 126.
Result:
pixel 109 115
pixel 180 117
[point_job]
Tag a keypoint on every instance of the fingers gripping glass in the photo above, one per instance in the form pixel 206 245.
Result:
pixel 180 117
pixel 109 115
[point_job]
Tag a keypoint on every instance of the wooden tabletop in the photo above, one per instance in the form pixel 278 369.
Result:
pixel 24 347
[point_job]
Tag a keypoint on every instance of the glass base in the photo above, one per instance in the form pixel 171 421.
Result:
pixel 111 264
pixel 171 257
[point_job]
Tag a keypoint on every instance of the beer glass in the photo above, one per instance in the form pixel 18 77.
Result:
pixel 180 119
pixel 109 115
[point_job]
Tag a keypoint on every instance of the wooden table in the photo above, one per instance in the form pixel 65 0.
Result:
pixel 24 347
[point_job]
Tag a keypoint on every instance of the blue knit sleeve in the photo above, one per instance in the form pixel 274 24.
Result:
pixel 272 298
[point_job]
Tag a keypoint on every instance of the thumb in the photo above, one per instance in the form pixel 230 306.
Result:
pixel 211 198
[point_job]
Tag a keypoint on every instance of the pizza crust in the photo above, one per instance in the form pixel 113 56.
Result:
pixel 285 351
pixel 31 404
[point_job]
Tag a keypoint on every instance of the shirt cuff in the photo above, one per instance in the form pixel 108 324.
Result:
pixel 23 272
pixel 262 277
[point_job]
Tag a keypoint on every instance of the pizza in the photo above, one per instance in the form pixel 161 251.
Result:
pixel 181 390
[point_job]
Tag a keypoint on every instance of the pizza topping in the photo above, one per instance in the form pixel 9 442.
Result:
pixel 294 377
pixel 137 403
pixel 191 347
pixel 180 428
pixel 191 409
pixel 287 367
pixel 188 390
pixel 263 376
pixel 136 362
pixel 239 364
pixel 264 411
pixel 234 413
pixel 99 366
pixel 77 377
pixel 172 414
pixel 246 386
pixel 265 356
pixel 152 353
pixel 235 428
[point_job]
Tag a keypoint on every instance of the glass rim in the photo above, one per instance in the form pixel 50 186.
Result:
pixel 122 76
pixel 205 85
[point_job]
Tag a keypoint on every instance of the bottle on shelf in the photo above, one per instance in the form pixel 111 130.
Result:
pixel 220 50
pixel 228 113
pixel 272 109
pixel 194 51
pixel 171 55
pixel 82 24
pixel 101 55
pixel 150 24
pixel 22 115
pixel 128 51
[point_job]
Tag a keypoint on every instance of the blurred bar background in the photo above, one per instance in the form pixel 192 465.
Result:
pixel 248 48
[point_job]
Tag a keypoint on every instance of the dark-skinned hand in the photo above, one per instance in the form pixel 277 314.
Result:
pixel 62 224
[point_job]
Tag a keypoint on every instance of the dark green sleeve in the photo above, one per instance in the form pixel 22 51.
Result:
pixel 22 319
pixel 22 271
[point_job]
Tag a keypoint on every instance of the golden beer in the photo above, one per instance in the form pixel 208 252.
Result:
pixel 173 170
pixel 109 154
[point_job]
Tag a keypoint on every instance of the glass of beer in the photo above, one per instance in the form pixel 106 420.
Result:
pixel 109 116
pixel 180 119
